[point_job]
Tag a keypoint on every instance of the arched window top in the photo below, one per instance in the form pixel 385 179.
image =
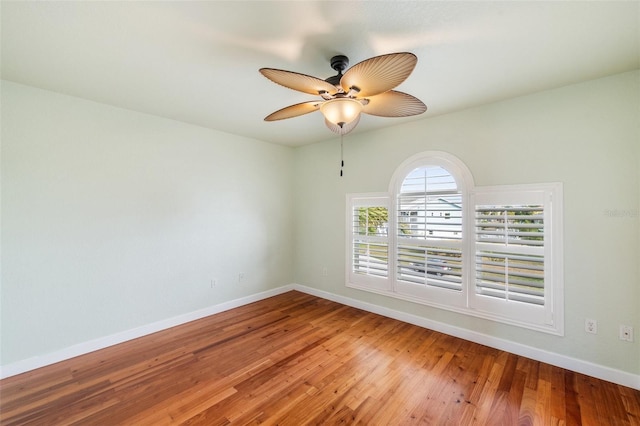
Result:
pixel 428 179
pixel 431 172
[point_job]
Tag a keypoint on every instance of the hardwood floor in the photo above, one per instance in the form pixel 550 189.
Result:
pixel 295 359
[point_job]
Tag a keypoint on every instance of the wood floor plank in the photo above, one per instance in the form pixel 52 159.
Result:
pixel 527 413
pixel 572 404
pixel 297 359
pixel 462 372
pixel 587 400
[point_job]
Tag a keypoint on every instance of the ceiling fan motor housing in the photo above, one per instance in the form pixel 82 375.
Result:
pixel 338 63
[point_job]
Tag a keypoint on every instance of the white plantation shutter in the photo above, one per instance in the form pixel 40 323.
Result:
pixel 429 229
pixel 368 245
pixel 515 252
pixel 510 252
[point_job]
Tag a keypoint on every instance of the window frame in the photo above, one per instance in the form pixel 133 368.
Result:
pixel 431 295
pixel 465 301
pixel 550 317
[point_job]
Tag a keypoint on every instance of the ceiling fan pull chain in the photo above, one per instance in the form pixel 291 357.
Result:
pixel 341 154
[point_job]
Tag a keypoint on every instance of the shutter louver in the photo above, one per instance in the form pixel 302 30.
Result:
pixel 432 266
pixel 370 247
pixel 510 252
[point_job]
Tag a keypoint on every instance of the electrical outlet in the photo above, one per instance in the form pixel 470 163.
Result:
pixel 591 326
pixel 626 333
pixel 241 276
pixel 213 283
pixel 324 271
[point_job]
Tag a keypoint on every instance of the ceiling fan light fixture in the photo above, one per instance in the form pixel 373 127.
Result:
pixel 341 111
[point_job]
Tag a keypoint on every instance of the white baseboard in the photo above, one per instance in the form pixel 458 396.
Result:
pixel 580 366
pixel 601 372
pixel 104 342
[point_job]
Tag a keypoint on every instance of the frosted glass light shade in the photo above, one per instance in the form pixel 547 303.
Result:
pixel 341 111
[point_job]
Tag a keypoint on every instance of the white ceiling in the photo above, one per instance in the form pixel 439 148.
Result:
pixel 198 61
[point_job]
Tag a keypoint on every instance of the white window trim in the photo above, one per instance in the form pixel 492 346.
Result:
pixel 465 301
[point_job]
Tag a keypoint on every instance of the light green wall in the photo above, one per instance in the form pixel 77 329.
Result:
pixel 586 136
pixel 113 219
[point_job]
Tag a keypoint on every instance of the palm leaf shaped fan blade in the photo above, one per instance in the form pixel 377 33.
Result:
pixel 293 111
pixel 394 104
pixel 379 74
pixel 300 82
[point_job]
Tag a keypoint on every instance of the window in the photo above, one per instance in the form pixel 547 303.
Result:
pixel 493 252
pixel 368 221
pixel 430 246
pixel 428 251
pixel 517 250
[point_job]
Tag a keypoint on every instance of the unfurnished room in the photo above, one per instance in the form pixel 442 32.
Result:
pixel 320 212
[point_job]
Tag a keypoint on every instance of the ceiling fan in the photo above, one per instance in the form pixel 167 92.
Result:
pixel 364 88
